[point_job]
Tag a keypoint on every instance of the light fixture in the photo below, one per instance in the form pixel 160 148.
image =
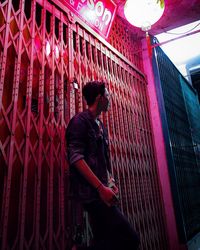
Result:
pixel 143 13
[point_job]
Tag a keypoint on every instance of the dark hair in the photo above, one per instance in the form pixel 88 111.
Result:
pixel 92 89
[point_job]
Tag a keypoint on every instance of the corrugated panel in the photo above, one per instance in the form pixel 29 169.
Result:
pixel 182 111
pixel 193 111
pixel 46 57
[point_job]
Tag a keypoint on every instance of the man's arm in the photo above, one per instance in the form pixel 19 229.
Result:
pixel 87 173
pixel 106 194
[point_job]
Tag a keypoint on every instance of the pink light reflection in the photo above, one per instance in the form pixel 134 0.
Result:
pixel 56 52
pixel 48 48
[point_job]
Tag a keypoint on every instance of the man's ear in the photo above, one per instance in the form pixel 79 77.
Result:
pixel 98 97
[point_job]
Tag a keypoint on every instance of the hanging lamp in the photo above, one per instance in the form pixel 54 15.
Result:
pixel 143 14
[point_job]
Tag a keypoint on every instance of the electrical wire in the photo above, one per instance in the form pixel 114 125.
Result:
pixel 181 33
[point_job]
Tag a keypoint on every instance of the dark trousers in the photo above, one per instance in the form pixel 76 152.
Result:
pixel 111 229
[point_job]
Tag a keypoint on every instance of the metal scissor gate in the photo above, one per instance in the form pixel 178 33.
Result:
pixel 45 58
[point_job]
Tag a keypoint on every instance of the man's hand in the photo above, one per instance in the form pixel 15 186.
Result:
pixel 107 195
pixel 115 190
pixel 111 184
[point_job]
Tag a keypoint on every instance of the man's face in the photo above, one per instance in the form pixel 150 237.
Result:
pixel 105 101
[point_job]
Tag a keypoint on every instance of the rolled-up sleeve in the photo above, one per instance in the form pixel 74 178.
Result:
pixel 76 139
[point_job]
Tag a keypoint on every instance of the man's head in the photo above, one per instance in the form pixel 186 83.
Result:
pixel 95 92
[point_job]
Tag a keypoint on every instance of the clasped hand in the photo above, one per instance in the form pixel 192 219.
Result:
pixel 109 195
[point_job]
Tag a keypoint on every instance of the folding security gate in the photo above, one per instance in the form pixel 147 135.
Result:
pixel 45 58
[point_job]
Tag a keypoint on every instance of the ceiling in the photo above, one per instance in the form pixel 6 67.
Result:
pixel 176 13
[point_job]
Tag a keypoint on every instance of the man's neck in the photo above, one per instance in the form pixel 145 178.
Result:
pixel 95 113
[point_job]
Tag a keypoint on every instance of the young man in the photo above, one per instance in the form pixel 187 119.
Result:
pixel 88 156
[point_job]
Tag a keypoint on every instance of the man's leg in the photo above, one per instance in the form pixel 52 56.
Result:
pixel 111 229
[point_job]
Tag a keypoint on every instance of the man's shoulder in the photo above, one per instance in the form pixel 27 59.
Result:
pixel 81 118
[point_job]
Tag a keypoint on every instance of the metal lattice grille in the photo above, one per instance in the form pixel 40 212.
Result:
pixel 128 42
pixel 183 115
pixel 46 57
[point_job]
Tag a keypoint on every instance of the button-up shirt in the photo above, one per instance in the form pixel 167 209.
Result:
pixel 86 140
